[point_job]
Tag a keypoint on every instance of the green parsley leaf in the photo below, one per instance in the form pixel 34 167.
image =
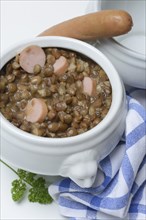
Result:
pixel 31 182
pixel 26 176
pixel 40 195
pixel 18 190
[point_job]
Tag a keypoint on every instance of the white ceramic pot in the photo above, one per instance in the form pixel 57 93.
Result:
pixel 75 157
pixel 127 52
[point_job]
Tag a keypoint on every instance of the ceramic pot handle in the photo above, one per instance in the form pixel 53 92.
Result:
pixel 81 168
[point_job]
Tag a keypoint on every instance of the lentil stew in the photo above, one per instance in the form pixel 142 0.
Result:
pixel 63 95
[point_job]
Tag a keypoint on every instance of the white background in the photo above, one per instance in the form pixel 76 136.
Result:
pixel 21 20
pixel 26 19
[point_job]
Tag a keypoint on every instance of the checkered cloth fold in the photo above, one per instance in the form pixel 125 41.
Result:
pixel 119 191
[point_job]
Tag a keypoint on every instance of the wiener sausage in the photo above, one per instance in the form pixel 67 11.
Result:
pixel 31 56
pixel 36 110
pixel 60 66
pixel 89 86
pixel 106 23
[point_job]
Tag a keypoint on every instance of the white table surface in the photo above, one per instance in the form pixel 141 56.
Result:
pixel 21 20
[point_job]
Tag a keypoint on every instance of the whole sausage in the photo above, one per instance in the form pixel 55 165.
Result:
pixel 106 23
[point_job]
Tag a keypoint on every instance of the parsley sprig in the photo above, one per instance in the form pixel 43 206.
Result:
pixel 29 182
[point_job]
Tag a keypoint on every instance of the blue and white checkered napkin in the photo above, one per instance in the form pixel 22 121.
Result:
pixel 119 191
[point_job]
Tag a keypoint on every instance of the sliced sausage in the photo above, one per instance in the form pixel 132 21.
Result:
pixel 36 110
pixel 31 56
pixel 89 86
pixel 106 23
pixel 60 65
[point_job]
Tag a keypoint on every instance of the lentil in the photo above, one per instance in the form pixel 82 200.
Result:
pixel 36 80
pixel 12 87
pixel 50 59
pixel 15 65
pixel 48 71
